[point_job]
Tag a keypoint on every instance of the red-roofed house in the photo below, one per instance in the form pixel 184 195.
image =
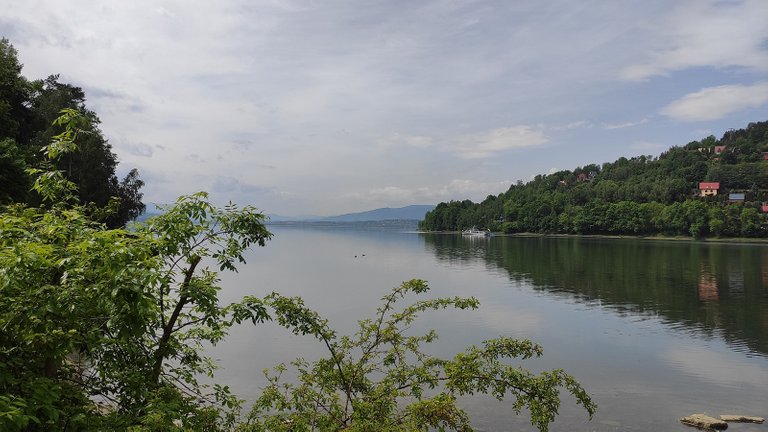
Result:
pixel 719 149
pixel 764 208
pixel 708 188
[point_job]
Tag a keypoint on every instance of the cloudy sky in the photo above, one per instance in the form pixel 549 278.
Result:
pixel 326 107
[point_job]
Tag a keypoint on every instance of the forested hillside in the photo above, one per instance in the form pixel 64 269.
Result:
pixel 27 111
pixel 638 196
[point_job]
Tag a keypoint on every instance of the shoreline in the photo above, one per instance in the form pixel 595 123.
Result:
pixel 655 237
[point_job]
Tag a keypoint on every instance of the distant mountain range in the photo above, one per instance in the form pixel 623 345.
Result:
pixel 412 212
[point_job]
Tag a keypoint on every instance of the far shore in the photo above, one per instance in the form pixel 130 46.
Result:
pixel 656 237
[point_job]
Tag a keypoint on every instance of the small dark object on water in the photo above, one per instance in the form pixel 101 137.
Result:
pixel 704 422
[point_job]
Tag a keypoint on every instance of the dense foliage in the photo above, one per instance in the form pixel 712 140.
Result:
pixel 27 113
pixel 638 196
pixel 105 329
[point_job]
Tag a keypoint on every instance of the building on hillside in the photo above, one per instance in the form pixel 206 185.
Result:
pixel 708 188
pixel 765 155
pixel 736 197
pixel 719 149
pixel 764 208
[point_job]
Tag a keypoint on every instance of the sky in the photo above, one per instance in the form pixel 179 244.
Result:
pixel 303 107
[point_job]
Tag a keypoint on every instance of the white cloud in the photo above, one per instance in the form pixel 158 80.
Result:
pixel 394 196
pixel 135 149
pixel 456 189
pixel 418 141
pixel 488 143
pixel 227 184
pixel 622 125
pixel 710 33
pixel 478 145
pixel 308 98
pixel 713 103
pixel 581 124
pixel 471 188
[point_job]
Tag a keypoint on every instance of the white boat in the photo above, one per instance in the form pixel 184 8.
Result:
pixel 476 232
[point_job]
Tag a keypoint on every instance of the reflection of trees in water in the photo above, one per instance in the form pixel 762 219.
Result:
pixel 703 286
pixel 458 249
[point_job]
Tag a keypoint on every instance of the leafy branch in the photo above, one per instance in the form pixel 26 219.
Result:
pixel 381 378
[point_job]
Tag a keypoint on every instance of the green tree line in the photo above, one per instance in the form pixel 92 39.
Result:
pixel 28 109
pixel 637 196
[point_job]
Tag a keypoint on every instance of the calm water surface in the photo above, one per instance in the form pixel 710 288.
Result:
pixel 654 330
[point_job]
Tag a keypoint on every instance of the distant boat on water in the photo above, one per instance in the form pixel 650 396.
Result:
pixel 476 232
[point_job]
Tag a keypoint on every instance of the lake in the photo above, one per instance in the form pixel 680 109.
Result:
pixel 654 330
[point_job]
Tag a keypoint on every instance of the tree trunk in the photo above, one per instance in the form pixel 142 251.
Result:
pixel 162 347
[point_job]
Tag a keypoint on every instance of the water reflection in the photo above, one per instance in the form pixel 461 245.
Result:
pixel 716 367
pixel 702 287
pixel 708 286
pixel 654 330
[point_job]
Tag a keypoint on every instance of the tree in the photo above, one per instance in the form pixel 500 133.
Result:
pixel 129 205
pixel 14 117
pixel 750 222
pixel 696 217
pixel 14 93
pixel 716 218
pixel 27 114
pixel 14 181
pixel 97 314
pixel 92 167
pixel 382 379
